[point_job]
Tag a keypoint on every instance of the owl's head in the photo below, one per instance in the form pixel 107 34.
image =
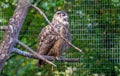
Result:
pixel 61 17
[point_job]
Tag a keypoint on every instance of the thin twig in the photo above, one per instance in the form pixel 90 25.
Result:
pixel 40 11
pixel 34 53
pixel 50 58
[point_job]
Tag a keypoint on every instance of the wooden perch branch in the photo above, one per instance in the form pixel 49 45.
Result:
pixel 40 11
pixel 50 58
pixel 34 53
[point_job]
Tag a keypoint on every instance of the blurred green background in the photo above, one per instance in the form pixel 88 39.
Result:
pixel 95 28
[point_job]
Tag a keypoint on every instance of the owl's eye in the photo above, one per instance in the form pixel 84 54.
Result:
pixel 63 14
pixel 58 13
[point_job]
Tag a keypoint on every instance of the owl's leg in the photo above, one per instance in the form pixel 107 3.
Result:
pixel 43 50
pixel 57 56
pixel 55 51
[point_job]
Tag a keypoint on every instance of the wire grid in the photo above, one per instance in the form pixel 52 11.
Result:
pixel 95 32
pixel 94 26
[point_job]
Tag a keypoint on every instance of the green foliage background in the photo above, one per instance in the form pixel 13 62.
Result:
pixel 95 28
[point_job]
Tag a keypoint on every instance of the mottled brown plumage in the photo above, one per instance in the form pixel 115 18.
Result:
pixel 49 42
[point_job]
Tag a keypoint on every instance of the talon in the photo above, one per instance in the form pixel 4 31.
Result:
pixel 58 58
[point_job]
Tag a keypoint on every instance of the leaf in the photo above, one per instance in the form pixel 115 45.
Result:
pixel 116 1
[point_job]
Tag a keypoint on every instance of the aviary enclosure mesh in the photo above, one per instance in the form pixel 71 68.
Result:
pixel 95 28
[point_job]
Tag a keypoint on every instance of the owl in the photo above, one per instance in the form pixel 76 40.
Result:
pixel 49 42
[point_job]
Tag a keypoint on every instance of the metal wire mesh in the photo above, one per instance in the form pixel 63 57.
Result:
pixel 95 29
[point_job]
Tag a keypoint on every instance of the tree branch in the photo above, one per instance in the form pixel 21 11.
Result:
pixel 13 28
pixel 3 27
pixel 34 53
pixel 50 58
pixel 40 11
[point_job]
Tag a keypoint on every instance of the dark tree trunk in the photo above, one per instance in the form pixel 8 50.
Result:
pixel 11 34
